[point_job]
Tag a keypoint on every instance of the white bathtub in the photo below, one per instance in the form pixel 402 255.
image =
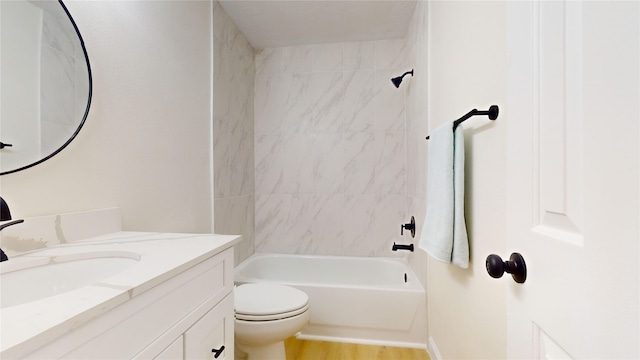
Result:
pixel 353 299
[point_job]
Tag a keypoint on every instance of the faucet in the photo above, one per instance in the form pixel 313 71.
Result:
pixel 397 247
pixel 5 215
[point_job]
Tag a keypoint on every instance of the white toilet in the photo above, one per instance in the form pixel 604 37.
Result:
pixel 267 314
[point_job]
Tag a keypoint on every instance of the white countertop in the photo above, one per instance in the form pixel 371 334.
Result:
pixel 26 327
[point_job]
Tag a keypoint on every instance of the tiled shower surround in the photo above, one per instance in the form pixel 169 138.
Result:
pixel 233 133
pixel 312 143
pixel 330 144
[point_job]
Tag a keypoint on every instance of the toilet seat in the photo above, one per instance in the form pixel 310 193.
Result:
pixel 267 302
pixel 271 317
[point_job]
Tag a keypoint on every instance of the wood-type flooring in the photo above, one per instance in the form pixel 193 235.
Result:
pixel 323 350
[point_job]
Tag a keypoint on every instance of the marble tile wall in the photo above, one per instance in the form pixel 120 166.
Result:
pixel 233 152
pixel 417 129
pixel 330 148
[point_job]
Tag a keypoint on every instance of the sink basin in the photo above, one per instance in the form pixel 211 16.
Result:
pixel 27 281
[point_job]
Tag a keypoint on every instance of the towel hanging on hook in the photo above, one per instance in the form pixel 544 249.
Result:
pixel 492 113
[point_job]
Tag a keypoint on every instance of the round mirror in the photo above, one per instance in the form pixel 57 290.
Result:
pixel 45 87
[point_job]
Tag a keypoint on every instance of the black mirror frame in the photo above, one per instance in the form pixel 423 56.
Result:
pixel 86 111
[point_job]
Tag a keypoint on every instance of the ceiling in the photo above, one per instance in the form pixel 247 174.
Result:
pixel 276 23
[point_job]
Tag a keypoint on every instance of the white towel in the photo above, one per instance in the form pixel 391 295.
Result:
pixel 444 232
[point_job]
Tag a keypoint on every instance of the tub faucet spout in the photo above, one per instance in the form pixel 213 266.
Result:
pixel 397 247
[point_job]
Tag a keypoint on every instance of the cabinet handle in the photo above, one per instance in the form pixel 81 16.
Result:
pixel 217 352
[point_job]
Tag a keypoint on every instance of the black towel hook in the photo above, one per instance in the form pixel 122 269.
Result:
pixel 492 113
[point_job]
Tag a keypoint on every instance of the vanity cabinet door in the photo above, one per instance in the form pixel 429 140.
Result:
pixel 173 351
pixel 213 331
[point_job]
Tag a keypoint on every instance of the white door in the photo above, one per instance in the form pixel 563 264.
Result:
pixel 573 180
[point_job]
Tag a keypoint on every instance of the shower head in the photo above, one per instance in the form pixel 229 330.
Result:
pixel 397 80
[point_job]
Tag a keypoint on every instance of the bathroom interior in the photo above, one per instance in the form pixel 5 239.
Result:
pixel 220 117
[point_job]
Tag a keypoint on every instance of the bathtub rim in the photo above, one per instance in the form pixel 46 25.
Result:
pixel 414 285
pixel 417 336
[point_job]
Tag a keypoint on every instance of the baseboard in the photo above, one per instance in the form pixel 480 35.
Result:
pixel 302 336
pixel 432 349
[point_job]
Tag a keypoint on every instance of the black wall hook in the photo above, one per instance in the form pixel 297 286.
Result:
pixel 492 113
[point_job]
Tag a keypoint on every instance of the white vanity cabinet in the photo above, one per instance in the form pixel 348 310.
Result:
pixel 184 317
pixel 211 337
pixel 174 351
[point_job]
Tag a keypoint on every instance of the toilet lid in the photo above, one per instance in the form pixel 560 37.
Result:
pixel 263 300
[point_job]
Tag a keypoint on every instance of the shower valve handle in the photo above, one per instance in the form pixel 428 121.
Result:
pixel 409 226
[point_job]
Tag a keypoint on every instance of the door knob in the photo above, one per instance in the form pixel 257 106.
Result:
pixel 514 266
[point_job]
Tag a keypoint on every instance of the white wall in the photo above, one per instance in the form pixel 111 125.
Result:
pixel 146 144
pixel 459 53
